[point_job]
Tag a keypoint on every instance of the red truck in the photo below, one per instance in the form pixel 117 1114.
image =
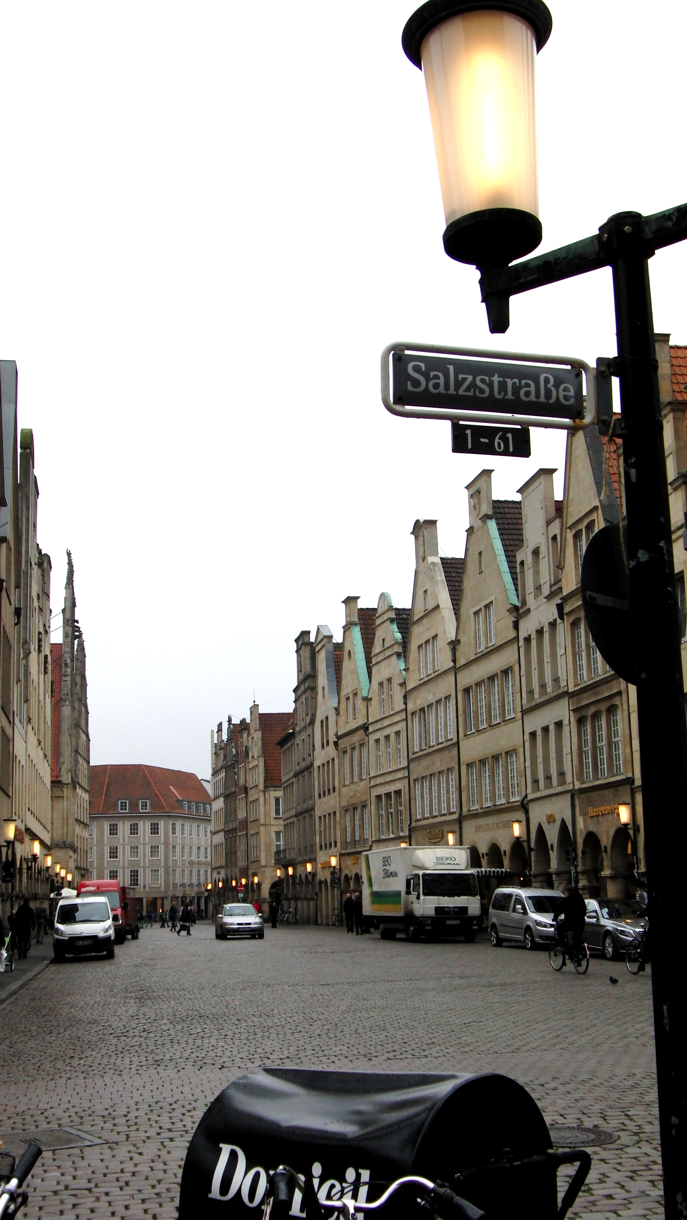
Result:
pixel 123 918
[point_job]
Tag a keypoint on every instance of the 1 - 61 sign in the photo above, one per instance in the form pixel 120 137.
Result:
pixel 502 442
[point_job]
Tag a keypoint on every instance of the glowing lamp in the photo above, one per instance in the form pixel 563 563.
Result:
pixel 333 860
pixel 9 827
pixel 451 838
pixel 48 861
pixel 478 65
pixel 517 828
pixel 625 814
pixel 36 847
pixel 308 867
pixel 290 870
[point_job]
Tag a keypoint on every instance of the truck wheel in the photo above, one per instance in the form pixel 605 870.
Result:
pixel 386 933
pixel 494 936
pixel 469 934
pixel 412 931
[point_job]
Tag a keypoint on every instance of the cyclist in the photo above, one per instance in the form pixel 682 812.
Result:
pixel 570 920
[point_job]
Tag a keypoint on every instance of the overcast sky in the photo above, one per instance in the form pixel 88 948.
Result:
pixel 214 216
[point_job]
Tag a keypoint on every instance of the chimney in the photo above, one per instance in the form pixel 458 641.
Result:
pixel 479 497
pixel 351 604
pixel 426 541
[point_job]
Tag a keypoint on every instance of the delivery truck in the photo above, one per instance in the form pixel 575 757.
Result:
pixel 421 891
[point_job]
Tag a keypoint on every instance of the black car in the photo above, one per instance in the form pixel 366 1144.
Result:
pixel 613 925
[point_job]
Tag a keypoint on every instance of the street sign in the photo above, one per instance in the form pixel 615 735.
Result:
pixel 485 385
pixel 423 381
pixel 499 442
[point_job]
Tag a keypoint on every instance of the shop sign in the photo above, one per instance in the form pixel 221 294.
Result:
pixel 435 836
pixel 600 811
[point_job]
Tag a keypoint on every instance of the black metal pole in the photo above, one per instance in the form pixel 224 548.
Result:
pixel 660 695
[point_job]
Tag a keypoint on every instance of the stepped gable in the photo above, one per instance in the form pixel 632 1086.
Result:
pixel 678 372
pixel 403 624
pixel 164 787
pixel 453 575
pixel 366 622
pixel 273 726
pixel 508 517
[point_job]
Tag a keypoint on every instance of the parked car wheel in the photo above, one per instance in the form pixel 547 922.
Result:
pixel 109 952
pixel 58 954
pixel 261 935
pixel 494 936
pixel 609 947
pixel 529 939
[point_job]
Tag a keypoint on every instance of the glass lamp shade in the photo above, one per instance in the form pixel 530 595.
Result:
pixel 516 830
pixel 9 826
pixel 479 73
pixel 48 861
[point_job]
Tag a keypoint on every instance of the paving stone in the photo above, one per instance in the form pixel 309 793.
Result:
pixel 133 1051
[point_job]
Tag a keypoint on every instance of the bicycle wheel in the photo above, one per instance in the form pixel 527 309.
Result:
pixel 556 958
pixel 581 962
pixel 633 961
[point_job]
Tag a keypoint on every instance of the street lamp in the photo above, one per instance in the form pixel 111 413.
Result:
pixel 451 838
pixel 625 814
pixel 9 873
pixel 517 829
pixel 458 57
pixel 478 66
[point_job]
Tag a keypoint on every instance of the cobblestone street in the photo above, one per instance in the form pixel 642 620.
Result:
pixel 130 1052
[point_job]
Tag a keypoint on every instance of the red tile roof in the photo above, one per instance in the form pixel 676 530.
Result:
pixel 366 620
pixel 273 725
pixel 163 787
pixel 612 448
pixel 56 675
pixel 678 372
pixel 402 614
pixel 453 574
pixel 508 517
pixel 338 656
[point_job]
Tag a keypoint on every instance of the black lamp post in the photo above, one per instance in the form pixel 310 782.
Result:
pixel 478 65
pixel 9 875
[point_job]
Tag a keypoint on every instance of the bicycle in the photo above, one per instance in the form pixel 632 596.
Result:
pixel 436 1197
pixel 287 917
pixel 12 1197
pixel 637 954
pixel 560 951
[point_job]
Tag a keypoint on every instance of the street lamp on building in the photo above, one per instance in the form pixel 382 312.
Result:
pixel 9 875
pixel 479 71
pixel 625 814
pixel 451 838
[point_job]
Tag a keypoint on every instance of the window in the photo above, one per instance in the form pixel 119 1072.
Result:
pixel 489 616
pixel 390 813
pixel 416 732
pixel 154 850
pixel 378 754
pixel 425 795
pixel 135 851
pixel 174 877
pixel 428 657
pixel 183 829
pixel 558 750
pixel 398 796
pixel 586 750
pixel 513 777
pixel 277 807
pixel 546 755
pixel 366 824
pixel 363 760
pixel 442 792
pixel 113 851
pixel 421 659
pixel 113 829
pixel 480 563
pixel 495 699
pixel 113 874
pixel 536 571
pixel 355 705
pixel 155 828
pixel 432 729
pixel 479 630
pixel 534 761
pixel 440 720
pixel 435 652
pixel 348 707
pixel 418 800
pixel 600 744
pixel 448 708
pixel 173 827
pixel 553 656
pixel 122 806
pixel 347 818
pixel 485 775
pixel 144 806
pixel 387 745
pixel 578 649
pixel 508 695
pixel 529 671
pixel 133 877
pixel 472 785
pixel 499 782
pixel 423 728
pixel 133 830
pixel 481 705
pixel 399 749
pixel 382 699
pixel 541 664
pixel 616 741
pixel 594 659
pixel 154 876
pixel 469 711
pixel 390 694
pixel 589 532
pixel 354 764
pixel 345 763
pixel 578 545
pixel 356 825
pixel 522 583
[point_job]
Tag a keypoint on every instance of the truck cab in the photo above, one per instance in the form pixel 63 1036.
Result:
pixel 422 892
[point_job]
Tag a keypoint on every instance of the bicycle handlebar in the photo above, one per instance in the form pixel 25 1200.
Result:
pixel 11 1194
pixel 283 1181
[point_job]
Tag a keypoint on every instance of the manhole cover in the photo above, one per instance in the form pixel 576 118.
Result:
pixel 49 1138
pixel 580 1137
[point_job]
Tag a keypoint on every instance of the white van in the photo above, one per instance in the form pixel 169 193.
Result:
pixel 429 891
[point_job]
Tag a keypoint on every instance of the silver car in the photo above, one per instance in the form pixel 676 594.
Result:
pixel 83 925
pixel 613 926
pixel 239 919
pixel 527 916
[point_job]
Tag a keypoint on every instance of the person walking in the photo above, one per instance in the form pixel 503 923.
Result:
pixel 349 912
pixel 173 916
pixel 24 923
pixel 163 919
pixel 41 914
pixel 185 920
pixel 274 911
pixel 358 914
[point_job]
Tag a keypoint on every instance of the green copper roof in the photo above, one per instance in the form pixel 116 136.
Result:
pixel 502 562
pixel 360 660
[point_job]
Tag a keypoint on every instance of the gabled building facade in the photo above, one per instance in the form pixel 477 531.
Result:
pixel 352 742
pixel 431 693
pixel 325 762
pixel 265 807
pixel 387 728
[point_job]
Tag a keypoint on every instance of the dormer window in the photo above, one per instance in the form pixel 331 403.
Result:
pixel 122 806
pixel 144 806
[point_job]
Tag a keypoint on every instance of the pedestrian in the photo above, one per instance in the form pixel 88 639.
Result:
pixel 173 916
pixel 24 922
pixel 185 920
pixel 149 919
pixel 358 914
pixel 349 912
pixel 274 911
pixel 41 914
pixel 257 907
pixel 163 919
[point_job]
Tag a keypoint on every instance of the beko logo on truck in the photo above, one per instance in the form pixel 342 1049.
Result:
pixel 252 1184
